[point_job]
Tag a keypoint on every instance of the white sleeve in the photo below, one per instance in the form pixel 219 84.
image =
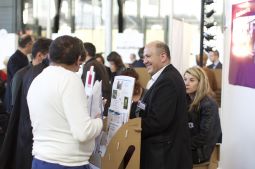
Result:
pixel 82 126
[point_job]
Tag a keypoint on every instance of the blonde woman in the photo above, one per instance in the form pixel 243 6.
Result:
pixel 204 121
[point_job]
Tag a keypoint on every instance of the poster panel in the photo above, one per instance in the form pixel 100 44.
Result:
pixel 242 50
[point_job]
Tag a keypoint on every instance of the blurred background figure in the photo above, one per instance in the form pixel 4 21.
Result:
pixel 17 61
pixel 100 73
pixel 101 60
pixel 139 63
pixel 116 64
pixel 214 58
pixel 3 83
pixel 132 58
pixel 209 72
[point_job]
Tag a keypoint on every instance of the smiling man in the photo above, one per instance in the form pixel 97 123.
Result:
pixel 165 137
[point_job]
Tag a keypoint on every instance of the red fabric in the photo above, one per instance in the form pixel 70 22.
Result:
pixel 3 75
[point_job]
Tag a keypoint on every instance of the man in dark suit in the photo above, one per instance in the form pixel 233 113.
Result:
pixel 214 58
pixel 165 139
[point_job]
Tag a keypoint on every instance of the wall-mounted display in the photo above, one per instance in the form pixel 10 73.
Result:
pixel 242 50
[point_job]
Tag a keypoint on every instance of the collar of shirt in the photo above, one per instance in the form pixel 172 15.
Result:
pixel 215 64
pixel 155 77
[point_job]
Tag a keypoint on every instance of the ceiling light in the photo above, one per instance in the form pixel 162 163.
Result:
pixel 209 14
pixel 209 25
pixel 209 37
pixel 208 2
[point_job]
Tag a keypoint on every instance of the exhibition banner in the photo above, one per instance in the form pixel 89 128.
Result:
pixel 242 49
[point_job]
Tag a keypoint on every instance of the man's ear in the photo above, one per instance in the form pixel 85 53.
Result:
pixel 163 57
pixel 39 55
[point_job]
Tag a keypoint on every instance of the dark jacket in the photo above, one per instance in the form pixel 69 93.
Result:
pixel 17 61
pixel 138 63
pixel 165 137
pixel 205 129
pixel 17 81
pixel 219 66
pixel 17 147
pixel 100 74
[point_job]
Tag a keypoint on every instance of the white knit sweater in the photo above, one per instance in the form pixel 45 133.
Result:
pixel 63 131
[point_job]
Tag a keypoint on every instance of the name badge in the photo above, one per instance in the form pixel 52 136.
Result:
pixel 141 105
pixel 191 125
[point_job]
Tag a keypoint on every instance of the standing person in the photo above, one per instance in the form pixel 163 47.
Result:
pixel 100 59
pixel 17 150
pixel 116 64
pixel 40 51
pixel 100 73
pixel 214 58
pixel 17 61
pixel 139 63
pixel 204 121
pixel 63 132
pixel 132 58
pixel 165 139
pixel 209 72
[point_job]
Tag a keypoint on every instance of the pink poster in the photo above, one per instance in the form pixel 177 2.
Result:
pixel 242 54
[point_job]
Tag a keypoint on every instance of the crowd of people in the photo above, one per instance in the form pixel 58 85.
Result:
pixel 49 123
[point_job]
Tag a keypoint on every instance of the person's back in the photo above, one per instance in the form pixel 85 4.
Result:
pixel 54 82
pixel 57 95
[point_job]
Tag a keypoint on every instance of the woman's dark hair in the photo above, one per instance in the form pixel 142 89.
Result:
pixel 132 73
pixel 116 59
pixel 66 50
pixel 99 55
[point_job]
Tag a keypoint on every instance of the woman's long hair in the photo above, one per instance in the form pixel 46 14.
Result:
pixel 116 59
pixel 203 88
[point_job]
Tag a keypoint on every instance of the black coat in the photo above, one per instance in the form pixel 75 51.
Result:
pixel 165 137
pixel 17 61
pixel 17 147
pixel 205 129
pixel 219 66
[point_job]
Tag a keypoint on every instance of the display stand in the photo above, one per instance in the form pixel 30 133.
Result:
pixel 118 146
pixel 128 135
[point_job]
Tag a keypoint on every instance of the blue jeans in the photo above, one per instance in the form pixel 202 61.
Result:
pixel 39 164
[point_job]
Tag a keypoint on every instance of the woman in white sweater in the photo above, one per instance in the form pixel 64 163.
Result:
pixel 63 131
